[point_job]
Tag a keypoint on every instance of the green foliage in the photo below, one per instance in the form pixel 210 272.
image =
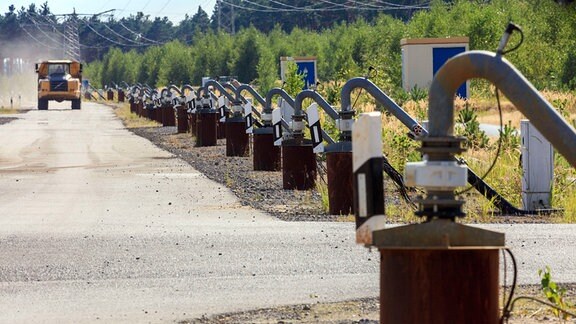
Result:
pixel 554 293
pixel 510 141
pixel 266 70
pixel 344 49
pixel 417 94
pixel 174 66
pixel 294 81
pixel 248 55
pixel 471 128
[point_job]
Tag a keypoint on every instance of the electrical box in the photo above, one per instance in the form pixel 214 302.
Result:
pixel 537 168
pixel 423 57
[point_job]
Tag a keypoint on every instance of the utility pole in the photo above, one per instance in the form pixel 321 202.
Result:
pixel 71 35
pixel 71 39
pixel 226 17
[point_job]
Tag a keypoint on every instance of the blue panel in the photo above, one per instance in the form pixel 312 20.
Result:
pixel 308 68
pixel 442 54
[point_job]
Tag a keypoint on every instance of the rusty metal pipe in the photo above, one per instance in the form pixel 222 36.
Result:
pixel 496 69
pixel 382 98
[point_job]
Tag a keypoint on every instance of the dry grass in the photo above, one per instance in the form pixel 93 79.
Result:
pixel 132 120
pixel 506 177
pixel 8 111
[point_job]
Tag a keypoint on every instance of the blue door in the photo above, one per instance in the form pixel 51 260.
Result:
pixel 442 54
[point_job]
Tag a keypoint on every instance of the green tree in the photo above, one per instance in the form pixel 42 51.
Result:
pixel 248 55
pixel 293 81
pixel 174 67
pixel 267 71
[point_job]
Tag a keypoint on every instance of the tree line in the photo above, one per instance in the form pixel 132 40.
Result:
pixel 100 31
pixel 547 56
pixel 344 49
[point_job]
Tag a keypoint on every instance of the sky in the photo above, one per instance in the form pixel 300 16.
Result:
pixel 173 9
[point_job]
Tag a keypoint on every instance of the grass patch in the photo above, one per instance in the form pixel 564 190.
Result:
pixel 8 111
pixel 132 120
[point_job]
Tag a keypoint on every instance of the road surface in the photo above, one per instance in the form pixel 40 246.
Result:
pixel 99 225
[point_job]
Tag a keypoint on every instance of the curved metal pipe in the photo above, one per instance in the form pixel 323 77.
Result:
pixel 276 92
pixel 220 88
pixel 164 92
pixel 318 99
pixel 252 91
pixel 175 88
pixel 229 86
pixel 247 87
pixel 496 69
pixel 321 102
pixel 188 87
pixel 382 98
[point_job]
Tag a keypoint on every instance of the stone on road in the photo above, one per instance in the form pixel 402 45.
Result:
pixel 99 225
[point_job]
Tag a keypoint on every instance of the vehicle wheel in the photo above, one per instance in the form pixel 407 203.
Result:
pixel 76 104
pixel 42 104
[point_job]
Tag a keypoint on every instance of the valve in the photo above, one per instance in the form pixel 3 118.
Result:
pixel 506 36
pixel 345 124
pixel 297 125
pixel 237 108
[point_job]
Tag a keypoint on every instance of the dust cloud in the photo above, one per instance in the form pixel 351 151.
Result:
pixel 18 80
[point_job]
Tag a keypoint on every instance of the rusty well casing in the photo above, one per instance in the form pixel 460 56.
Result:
pixel 140 108
pixel 222 126
pixel 181 119
pixel 121 95
pixel 192 123
pixel 439 272
pixel 299 168
pixel 110 95
pixel 237 141
pixel 133 108
pixel 168 115
pixel 150 112
pixel 157 114
pixel 266 156
pixel 340 178
pixel 206 127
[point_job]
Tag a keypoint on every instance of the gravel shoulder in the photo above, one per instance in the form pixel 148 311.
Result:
pixel 263 190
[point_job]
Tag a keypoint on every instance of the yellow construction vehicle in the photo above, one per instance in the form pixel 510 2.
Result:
pixel 59 80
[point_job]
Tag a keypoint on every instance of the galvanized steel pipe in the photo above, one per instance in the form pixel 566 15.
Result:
pixel 496 69
pixel 382 98
pixel 220 88
pixel 318 99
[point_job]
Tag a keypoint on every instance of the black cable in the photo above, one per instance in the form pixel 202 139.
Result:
pixel 509 30
pixel 370 69
pixel 519 43
pixel 543 302
pixel 506 312
pixel 498 150
pixel 505 279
